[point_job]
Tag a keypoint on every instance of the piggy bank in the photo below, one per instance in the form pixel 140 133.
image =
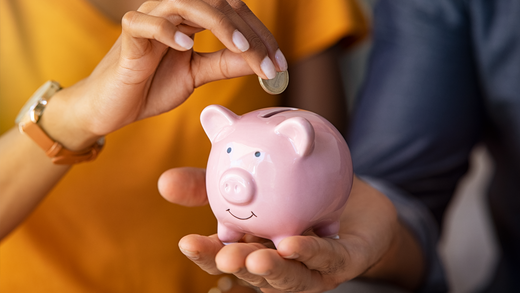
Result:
pixel 275 172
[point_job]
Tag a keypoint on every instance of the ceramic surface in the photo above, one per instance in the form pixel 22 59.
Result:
pixel 275 172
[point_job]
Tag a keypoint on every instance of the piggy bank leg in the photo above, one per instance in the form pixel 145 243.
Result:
pixel 228 235
pixel 276 240
pixel 328 230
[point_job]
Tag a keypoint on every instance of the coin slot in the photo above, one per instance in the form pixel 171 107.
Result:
pixel 271 114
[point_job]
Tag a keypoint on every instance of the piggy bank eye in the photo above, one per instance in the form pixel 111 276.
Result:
pixel 257 154
pixel 228 150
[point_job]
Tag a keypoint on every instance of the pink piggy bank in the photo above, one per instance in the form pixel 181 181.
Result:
pixel 275 172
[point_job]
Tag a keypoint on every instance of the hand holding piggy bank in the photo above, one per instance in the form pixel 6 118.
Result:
pixel 275 172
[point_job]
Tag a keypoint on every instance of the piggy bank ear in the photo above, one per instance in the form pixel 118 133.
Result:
pixel 300 132
pixel 214 118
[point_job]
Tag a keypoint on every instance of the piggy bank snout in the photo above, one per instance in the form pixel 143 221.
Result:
pixel 237 186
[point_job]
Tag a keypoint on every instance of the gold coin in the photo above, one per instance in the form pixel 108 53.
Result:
pixel 276 85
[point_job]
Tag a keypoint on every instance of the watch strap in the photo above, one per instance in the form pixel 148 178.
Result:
pixel 54 150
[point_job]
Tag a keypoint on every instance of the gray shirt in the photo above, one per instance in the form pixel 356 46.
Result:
pixel 443 77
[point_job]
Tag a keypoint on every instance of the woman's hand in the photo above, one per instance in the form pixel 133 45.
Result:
pixel 152 68
pixel 372 244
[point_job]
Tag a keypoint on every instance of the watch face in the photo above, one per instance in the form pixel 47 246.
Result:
pixel 44 92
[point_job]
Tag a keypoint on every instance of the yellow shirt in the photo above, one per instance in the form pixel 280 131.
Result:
pixel 104 227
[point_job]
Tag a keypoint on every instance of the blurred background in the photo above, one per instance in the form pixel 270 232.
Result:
pixel 468 246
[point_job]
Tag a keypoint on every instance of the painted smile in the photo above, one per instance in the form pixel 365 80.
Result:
pixel 252 214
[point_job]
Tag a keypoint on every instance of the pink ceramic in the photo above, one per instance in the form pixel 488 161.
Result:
pixel 275 173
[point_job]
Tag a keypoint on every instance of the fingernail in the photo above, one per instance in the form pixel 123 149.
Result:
pixel 292 256
pixel 268 68
pixel 183 40
pixel 263 273
pixel 190 254
pixel 240 41
pixel 280 59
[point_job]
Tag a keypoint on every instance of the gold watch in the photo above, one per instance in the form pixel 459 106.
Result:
pixel 27 121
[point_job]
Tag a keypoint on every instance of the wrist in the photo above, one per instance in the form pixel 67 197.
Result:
pixel 64 125
pixel 403 262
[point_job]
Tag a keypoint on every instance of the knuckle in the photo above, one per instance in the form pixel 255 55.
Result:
pixel 221 5
pixel 252 279
pixel 223 67
pixel 289 283
pixel 334 267
pixel 297 288
pixel 148 6
pixel 256 43
pixel 258 283
pixel 240 7
pixel 335 263
pixel 309 247
pixel 129 19
pixel 162 26
pixel 221 20
pixel 214 3
pixel 268 37
pixel 180 5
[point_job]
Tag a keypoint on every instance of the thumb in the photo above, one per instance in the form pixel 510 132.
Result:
pixel 185 186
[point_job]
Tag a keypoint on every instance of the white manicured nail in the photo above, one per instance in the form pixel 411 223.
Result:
pixel 280 59
pixel 183 40
pixel 240 41
pixel 268 68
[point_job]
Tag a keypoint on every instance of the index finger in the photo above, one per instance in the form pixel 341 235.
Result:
pixel 230 30
pixel 202 250
pixel 326 255
pixel 262 32
pixel 286 275
pixel 262 42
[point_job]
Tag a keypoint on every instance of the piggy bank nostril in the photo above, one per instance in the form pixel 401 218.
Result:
pixel 237 186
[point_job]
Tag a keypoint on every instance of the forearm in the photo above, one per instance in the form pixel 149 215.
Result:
pixel 27 173
pixel 27 176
